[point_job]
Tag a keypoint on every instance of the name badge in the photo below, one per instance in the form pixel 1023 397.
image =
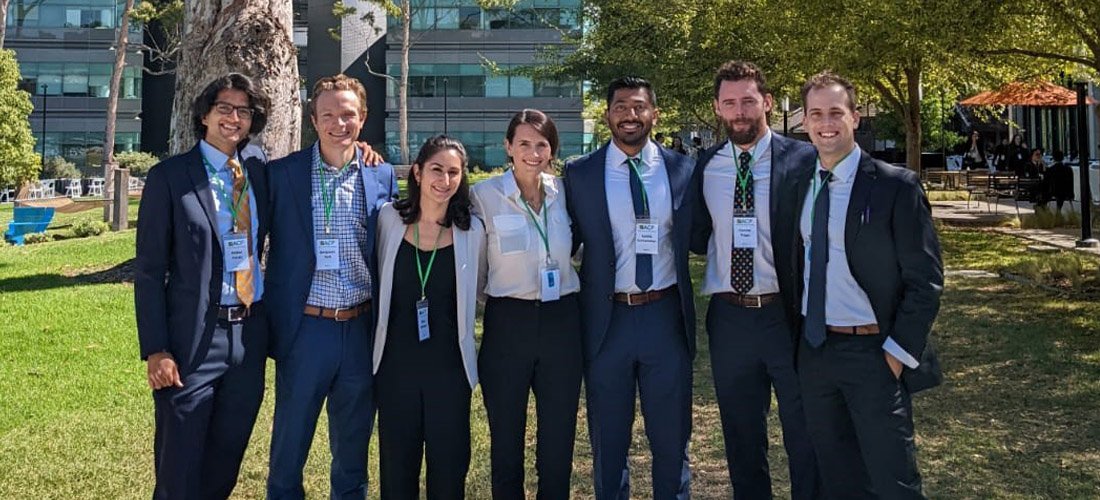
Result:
pixel 744 232
pixel 328 254
pixel 422 319
pixel 551 282
pixel 235 252
pixel 646 235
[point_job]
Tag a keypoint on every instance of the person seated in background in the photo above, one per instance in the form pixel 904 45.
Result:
pixel 1030 175
pixel 1058 181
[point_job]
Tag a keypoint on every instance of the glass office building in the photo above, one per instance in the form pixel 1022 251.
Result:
pixel 65 53
pixel 459 78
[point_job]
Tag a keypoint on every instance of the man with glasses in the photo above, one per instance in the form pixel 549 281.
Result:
pixel 198 293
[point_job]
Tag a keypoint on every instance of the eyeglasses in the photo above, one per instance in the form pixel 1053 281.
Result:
pixel 226 109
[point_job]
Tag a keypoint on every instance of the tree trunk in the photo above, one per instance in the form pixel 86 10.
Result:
pixel 912 119
pixel 3 21
pixel 252 37
pixel 112 111
pixel 403 87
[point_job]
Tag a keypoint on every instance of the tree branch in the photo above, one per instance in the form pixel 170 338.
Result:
pixel 1043 55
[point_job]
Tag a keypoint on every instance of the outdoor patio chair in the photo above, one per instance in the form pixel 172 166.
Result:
pixel 977 185
pixel 73 188
pixel 1002 185
pixel 95 187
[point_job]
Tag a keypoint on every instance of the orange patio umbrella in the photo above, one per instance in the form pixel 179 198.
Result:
pixel 1033 93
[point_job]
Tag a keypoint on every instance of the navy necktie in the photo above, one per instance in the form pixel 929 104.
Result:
pixel 643 263
pixel 743 203
pixel 819 258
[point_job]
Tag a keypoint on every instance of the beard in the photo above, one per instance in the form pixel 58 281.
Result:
pixel 747 136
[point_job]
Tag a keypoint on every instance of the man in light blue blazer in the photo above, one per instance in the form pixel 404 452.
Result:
pixel 631 206
pixel 322 276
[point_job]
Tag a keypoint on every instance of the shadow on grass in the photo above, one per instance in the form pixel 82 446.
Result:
pixel 1017 411
pixel 120 273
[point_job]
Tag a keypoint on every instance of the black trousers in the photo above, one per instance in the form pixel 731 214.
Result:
pixel 531 346
pixel 751 351
pixel 423 400
pixel 860 419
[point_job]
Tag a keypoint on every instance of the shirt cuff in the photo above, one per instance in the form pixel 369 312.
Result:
pixel 896 351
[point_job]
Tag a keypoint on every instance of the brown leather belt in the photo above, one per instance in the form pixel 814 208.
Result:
pixel 853 330
pixel 750 301
pixel 235 314
pixel 638 299
pixel 338 314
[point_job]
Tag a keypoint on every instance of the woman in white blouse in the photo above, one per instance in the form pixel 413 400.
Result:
pixel 532 336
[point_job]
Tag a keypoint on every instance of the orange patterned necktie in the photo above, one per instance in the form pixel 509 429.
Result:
pixel 242 224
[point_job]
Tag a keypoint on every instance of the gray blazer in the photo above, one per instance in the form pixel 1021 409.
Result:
pixel 469 249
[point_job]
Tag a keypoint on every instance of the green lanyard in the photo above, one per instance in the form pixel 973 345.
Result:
pixel 227 198
pixel 420 271
pixel 743 180
pixel 328 190
pixel 633 162
pixel 545 223
pixel 817 189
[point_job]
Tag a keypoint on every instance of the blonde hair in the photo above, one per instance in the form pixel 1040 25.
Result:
pixel 337 83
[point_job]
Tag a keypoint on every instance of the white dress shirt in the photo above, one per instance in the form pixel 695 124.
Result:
pixel 620 208
pixel 516 252
pixel 846 304
pixel 719 184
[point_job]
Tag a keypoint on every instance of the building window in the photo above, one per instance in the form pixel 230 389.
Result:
pixel 86 14
pixel 78 79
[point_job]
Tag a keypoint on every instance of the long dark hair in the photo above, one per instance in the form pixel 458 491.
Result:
pixel 458 207
pixel 205 102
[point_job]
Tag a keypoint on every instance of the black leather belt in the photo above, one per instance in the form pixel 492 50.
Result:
pixel 234 314
pixel 638 299
pixel 750 301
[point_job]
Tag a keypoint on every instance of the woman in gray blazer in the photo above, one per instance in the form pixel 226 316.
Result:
pixel 430 252
pixel 532 340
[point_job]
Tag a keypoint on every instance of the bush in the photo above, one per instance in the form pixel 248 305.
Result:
pixel 1066 266
pixel 59 168
pixel 33 238
pixel 87 227
pixel 138 162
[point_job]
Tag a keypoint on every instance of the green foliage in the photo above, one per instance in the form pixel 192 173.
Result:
pixel 936 133
pixel 139 162
pixel 18 161
pixel 1045 218
pixel 58 167
pixel 87 227
pixel 33 238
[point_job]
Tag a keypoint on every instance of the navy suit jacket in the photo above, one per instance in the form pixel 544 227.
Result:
pixel 586 194
pixel 895 257
pixel 178 269
pixel 792 160
pixel 291 259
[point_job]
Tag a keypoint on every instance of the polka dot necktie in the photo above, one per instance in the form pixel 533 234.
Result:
pixel 743 203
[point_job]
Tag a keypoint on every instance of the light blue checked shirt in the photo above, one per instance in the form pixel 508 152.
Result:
pixel 350 284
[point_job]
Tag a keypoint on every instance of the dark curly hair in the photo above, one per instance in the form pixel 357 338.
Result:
pixel 205 102
pixel 458 208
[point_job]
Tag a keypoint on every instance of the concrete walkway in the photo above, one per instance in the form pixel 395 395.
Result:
pixel 1001 217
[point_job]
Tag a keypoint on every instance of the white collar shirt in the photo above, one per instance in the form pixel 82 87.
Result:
pixel 620 209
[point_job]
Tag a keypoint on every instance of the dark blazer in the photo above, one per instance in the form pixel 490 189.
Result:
pixel 291 259
pixel 586 193
pixel 895 257
pixel 178 269
pixel 792 160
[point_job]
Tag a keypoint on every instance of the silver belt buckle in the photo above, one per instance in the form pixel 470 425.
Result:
pixel 630 298
pixel 236 314
pixel 757 305
pixel 336 313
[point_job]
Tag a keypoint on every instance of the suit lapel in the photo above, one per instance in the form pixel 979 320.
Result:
pixel 778 178
pixel 592 174
pixel 201 181
pixel 857 203
pixel 302 185
pixel 462 254
pixel 677 177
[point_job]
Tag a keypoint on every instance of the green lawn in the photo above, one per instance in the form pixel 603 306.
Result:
pixel 1016 418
